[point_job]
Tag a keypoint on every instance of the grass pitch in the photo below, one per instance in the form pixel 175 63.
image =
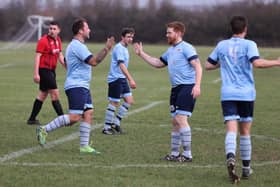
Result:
pixel 132 159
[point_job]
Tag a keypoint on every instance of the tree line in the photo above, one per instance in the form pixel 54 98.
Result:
pixel 205 25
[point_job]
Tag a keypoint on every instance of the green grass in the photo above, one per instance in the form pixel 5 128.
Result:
pixel 132 159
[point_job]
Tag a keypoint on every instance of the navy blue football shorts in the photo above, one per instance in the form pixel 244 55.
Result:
pixel 79 100
pixel 181 100
pixel 238 110
pixel 118 89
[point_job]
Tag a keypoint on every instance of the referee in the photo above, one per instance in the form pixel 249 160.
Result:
pixel 48 52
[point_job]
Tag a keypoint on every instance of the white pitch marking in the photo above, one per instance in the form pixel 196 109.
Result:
pixel 144 108
pixel 121 166
pixel 262 137
pixel 70 137
pixel 115 166
pixel 5 65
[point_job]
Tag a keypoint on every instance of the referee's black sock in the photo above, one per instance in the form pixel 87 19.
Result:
pixel 57 107
pixel 37 105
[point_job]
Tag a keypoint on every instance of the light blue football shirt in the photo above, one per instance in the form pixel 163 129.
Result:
pixel 78 71
pixel 119 54
pixel 178 58
pixel 235 56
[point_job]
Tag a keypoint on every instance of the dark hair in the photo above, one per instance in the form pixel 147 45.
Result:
pixel 54 23
pixel 77 25
pixel 127 30
pixel 177 26
pixel 238 24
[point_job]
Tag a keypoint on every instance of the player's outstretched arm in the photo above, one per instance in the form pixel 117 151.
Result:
pixel 263 63
pixel 155 62
pixel 102 54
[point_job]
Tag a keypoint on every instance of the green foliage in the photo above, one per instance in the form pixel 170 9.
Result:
pixel 132 159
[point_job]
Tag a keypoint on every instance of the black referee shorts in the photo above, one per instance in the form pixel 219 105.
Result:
pixel 47 79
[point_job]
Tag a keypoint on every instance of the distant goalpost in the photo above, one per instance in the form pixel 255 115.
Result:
pixel 26 32
pixel 39 24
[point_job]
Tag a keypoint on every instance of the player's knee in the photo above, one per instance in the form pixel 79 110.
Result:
pixel 115 104
pixel 88 115
pixel 74 118
pixel 244 132
pixel 130 101
pixel 181 120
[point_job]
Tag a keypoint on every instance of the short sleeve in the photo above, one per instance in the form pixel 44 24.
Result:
pixel 164 57
pixel 253 52
pixel 213 57
pixel 190 53
pixel 41 46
